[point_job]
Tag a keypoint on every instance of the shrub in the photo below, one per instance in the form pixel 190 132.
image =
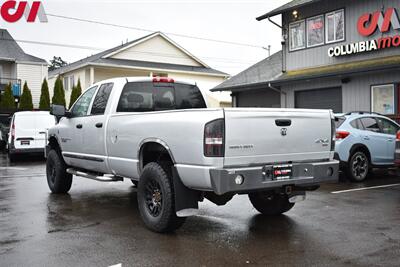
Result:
pixel 59 95
pixel 76 92
pixel 44 103
pixel 26 99
pixel 7 101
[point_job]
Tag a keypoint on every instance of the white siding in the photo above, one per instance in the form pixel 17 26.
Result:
pixel 157 49
pixel 33 75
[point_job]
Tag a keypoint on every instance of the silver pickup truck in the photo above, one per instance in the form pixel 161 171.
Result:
pixel 158 133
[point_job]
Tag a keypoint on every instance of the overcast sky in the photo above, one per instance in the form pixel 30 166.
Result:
pixel 229 20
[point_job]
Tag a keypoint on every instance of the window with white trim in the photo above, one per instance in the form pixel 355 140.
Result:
pixel 335 26
pixel 66 83
pixel 297 35
pixel 71 81
pixel 383 99
pixel 315 31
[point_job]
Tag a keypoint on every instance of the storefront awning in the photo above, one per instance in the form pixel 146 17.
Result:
pixel 340 70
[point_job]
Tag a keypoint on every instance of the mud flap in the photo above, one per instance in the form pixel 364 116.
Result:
pixel 186 199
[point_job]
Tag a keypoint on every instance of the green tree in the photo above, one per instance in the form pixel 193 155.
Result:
pixel 56 63
pixel 76 92
pixel 7 101
pixel 26 99
pixel 44 103
pixel 59 95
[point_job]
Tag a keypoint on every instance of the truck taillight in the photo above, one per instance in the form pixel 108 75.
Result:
pixel 214 133
pixel 163 80
pixel 341 135
pixel 398 136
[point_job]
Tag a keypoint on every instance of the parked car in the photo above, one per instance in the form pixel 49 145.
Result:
pixel 4 129
pixel 397 152
pixel 27 132
pixel 158 133
pixel 364 140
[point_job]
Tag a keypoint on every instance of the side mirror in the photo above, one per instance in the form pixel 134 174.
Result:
pixel 59 111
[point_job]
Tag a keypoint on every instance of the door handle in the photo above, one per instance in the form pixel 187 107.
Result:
pixel 99 125
pixel 283 123
pixel 79 126
pixel 366 138
pixel 42 132
pixel 390 139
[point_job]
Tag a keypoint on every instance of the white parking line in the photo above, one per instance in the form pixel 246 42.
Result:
pixel 12 168
pixel 365 188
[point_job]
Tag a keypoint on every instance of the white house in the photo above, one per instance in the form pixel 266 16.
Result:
pixel 152 55
pixel 17 67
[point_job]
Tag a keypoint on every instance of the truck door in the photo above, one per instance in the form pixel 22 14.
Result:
pixel 94 131
pixel 71 132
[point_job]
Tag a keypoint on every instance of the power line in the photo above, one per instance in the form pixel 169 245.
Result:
pixel 149 30
pixel 217 59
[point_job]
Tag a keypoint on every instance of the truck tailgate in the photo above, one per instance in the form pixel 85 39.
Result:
pixel 259 136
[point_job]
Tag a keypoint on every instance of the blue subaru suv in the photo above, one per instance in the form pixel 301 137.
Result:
pixel 364 140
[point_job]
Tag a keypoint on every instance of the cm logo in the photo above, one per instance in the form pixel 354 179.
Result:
pixel 369 23
pixel 13 11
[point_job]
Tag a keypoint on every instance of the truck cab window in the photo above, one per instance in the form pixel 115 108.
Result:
pixel 188 96
pixel 101 99
pixel 136 97
pixel 81 106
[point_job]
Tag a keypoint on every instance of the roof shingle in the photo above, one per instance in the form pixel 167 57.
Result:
pixel 10 50
pixel 264 71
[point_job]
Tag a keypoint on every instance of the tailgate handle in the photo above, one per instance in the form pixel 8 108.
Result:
pixel 283 123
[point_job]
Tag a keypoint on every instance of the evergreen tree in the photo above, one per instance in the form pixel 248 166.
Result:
pixel 7 101
pixel 26 99
pixel 44 103
pixel 76 92
pixel 59 95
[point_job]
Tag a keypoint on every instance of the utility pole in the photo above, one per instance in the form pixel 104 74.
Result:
pixel 268 48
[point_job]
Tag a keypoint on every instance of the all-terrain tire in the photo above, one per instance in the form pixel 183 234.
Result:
pixel 156 199
pixel 358 167
pixel 270 203
pixel 58 179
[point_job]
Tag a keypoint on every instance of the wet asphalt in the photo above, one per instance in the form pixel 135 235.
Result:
pixel 98 224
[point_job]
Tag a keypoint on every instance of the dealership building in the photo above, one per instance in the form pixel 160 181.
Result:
pixel 342 55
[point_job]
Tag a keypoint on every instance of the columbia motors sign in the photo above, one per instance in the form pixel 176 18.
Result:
pixel 367 25
pixel 13 11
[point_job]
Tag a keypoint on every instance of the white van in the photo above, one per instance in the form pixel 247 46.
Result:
pixel 28 132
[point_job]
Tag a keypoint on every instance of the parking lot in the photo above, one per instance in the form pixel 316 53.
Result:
pixel 99 225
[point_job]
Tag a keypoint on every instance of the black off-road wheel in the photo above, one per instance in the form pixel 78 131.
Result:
pixel 270 203
pixel 358 167
pixel 58 179
pixel 156 199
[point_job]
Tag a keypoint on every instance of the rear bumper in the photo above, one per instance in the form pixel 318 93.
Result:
pixel 304 174
pixel 397 157
pixel 16 151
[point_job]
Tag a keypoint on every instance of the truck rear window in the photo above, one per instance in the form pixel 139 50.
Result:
pixel 148 96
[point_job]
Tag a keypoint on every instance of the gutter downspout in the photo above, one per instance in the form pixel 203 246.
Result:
pixel 283 44
pixel 279 91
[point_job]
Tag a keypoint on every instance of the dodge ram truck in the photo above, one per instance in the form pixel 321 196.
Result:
pixel 158 133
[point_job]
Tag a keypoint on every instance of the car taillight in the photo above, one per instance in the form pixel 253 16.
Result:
pixel 398 136
pixel 13 131
pixel 214 133
pixel 341 135
pixel 333 134
pixel 163 80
